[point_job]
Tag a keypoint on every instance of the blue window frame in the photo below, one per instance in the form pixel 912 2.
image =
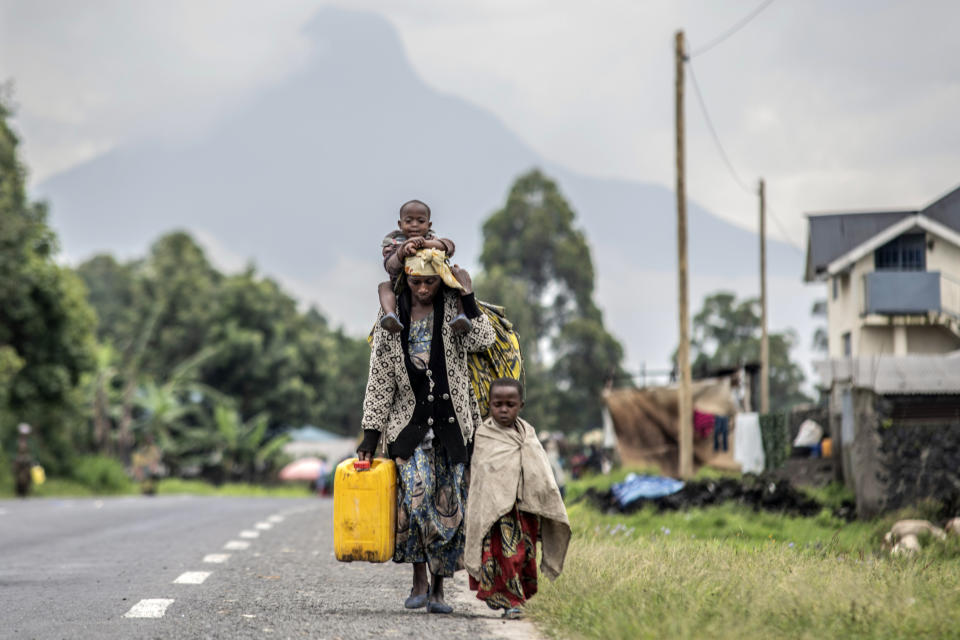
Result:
pixel 906 253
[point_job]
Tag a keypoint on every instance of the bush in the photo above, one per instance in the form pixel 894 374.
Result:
pixel 775 434
pixel 101 474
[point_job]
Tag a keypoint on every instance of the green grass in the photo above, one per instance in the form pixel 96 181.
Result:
pixel 729 572
pixel 70 488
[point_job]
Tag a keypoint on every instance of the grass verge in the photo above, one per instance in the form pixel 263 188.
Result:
pixel 69 488
pixel 729 572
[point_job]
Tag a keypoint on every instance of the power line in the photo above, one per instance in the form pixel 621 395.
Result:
pixel 732 30
pixel 726 158
pixel 783 230
pixel 713 132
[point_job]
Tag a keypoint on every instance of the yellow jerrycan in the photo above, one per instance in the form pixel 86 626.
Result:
pixel 365 510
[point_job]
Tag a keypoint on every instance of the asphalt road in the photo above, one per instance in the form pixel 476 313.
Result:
pixel 92 568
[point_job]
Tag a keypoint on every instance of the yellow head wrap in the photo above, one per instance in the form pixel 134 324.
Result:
pixel 431 262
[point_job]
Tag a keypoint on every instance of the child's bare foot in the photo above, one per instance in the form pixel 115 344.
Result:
pixel 461 323
pixel 391 323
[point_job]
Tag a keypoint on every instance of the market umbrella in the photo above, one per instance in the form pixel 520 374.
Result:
pixel 303 469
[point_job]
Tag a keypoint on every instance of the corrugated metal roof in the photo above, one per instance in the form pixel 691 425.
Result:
pixel 895 375
pixel 945 210
pixel 831 235
pixel 834 234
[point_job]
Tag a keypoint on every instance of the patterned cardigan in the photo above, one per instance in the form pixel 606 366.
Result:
pixel 389 401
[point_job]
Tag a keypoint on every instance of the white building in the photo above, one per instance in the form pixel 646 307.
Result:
pixel 893 372
pixel 893 279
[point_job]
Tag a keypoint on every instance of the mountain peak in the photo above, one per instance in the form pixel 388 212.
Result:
pixel 365 44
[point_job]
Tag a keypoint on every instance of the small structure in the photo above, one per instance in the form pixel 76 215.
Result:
pixel 645 423
pixel 311 441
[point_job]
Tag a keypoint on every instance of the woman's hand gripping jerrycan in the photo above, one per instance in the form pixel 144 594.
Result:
pixel 365 510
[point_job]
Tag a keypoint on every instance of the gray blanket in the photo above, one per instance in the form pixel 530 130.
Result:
pixel 509 466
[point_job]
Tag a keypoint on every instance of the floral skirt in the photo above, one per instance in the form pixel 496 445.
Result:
pixel 431 499
pixel 508 561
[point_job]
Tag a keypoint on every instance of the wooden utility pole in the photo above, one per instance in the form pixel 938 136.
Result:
pixel 764 338
pixel 684 392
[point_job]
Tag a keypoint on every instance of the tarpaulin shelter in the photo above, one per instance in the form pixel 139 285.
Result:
pixel 645 422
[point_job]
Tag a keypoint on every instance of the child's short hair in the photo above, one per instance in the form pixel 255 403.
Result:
pixel 415 201
pixel 507 382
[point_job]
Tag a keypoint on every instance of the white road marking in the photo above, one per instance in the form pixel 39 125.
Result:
pixel 151 608
pixel 249 533
pixel 216 558
pixel 192 577
pixel 263 526
pixel 236 545
pixel 275 519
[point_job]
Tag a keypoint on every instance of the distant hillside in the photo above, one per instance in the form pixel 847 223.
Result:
pixel 306 177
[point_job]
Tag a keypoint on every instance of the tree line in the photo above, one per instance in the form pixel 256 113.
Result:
pixel 215 368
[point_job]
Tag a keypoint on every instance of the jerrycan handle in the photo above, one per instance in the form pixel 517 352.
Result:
pixel 361 465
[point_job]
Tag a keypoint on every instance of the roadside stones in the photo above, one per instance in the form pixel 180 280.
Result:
pixel 904 536
pixel 953 526
pixel 907 545
pixel 904 528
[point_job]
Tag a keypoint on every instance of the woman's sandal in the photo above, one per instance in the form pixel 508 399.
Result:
pixel 439 607
pixel 513 613
pixel 415 602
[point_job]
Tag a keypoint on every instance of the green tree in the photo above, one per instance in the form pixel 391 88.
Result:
pixel 268 357
pixel 538 264
pixel 112 290
pixel 46 324
pixel 726 333
pixel 273 359
pixel 178 282
pixel 242 448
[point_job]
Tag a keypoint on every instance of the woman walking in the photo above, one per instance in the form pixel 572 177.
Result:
pixel 419 399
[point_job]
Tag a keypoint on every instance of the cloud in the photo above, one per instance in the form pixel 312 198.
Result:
pixel 837 106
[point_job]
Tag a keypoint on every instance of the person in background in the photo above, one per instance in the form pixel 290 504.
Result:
pixel 23 462
pixel 553 456
pixel 146 465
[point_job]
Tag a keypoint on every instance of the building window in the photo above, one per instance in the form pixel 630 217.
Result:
pixel 847 347
pixel 836 286
pixel 906 253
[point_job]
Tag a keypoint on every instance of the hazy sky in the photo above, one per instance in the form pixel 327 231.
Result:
pixel 837 104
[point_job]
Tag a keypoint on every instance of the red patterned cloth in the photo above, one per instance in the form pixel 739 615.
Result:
pixel 703 423
pixel 508 565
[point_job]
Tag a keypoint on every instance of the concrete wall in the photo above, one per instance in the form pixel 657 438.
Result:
pixel 865 460
pixel 943 256
pixel 874 340
pixel 933 339
pixel 891 464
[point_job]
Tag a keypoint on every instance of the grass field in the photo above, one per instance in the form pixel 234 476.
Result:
pixel 730 572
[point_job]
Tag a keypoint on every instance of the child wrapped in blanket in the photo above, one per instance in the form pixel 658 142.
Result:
pixel 513 500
